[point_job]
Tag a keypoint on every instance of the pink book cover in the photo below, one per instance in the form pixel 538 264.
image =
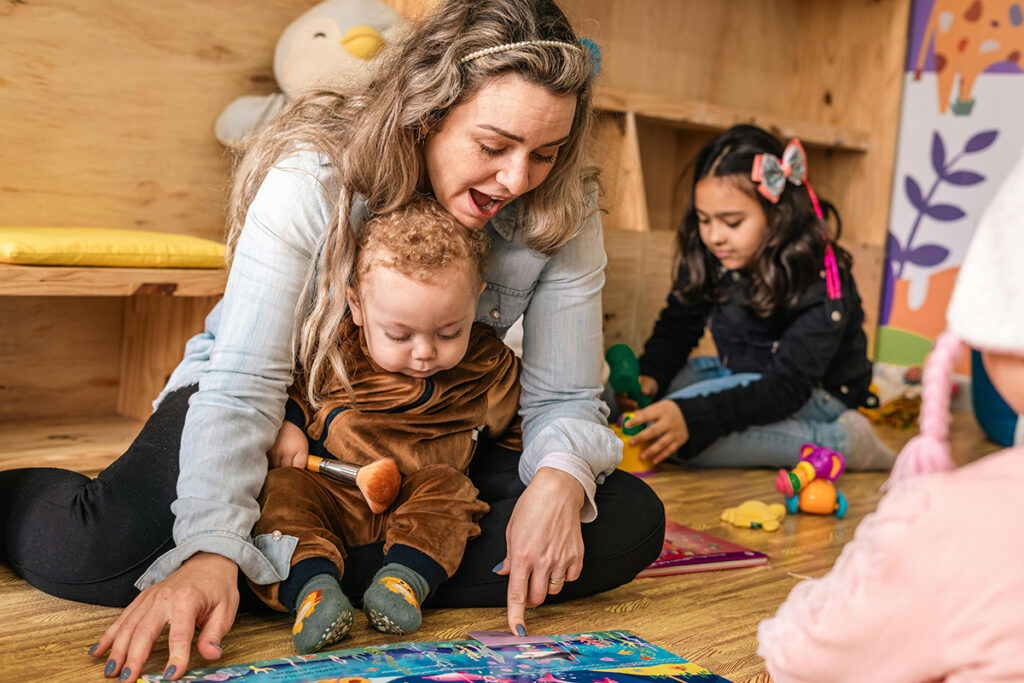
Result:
pixel 689 550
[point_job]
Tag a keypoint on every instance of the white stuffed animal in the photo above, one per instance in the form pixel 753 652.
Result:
pixel 330 46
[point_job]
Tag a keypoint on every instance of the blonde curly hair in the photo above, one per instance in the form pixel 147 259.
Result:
pixel 418 240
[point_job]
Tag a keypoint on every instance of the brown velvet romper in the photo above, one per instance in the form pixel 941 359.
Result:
pixel 429 426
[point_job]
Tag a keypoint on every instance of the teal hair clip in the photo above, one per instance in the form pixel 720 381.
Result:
pixel 595 56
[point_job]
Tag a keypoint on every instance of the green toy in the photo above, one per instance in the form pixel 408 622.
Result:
pixel 625 373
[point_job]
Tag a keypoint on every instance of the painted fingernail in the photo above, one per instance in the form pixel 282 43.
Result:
pixel 217 645
pixel 520 630
pixel 497 567
pixel 169 671
pixel 111 665
pixel 125 675
pixel 93 648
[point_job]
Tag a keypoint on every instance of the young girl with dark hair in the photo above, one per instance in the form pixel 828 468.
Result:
pixel 757 264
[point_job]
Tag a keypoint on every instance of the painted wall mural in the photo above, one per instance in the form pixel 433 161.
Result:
pixel 960 135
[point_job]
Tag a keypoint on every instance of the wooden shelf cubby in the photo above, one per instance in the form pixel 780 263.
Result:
pixel 95 341
pixel 676 74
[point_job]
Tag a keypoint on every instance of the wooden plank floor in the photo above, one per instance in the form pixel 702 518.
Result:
pixel 710 618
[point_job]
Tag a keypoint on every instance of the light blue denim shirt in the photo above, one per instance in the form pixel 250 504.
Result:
pixel 243 364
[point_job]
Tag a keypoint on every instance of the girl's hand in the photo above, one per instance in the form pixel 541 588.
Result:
pixel 666 430
pixel 545 544
pixel 202 592
pixel 291 448
pixel 648 387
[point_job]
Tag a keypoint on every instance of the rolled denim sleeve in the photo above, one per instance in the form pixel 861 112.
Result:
pixel 564 421
pixel 234 417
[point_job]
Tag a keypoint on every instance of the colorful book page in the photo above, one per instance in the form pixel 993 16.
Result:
pixel 599 657
pixel 689 550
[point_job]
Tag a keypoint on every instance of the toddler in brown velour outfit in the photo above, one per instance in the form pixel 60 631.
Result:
pixel 423 383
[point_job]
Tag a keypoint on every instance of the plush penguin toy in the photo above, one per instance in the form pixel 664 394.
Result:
pixel 331 46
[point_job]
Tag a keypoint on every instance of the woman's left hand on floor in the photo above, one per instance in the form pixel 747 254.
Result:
pixel 666 430
pixel 202 593
pixel 545 543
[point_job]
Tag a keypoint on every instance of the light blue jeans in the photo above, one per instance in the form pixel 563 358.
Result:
pixel 772 445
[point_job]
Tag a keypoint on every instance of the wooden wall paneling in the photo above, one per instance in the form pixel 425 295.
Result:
pixel 667 154
pixel 616 151
pixel 854 76
pixel 856 80
pixel 638 279
pixel 109 108
pixel 155 331
pixel 655 282
pixel 621 297
pixel 660 159
pixel 59 356
pixel 728 52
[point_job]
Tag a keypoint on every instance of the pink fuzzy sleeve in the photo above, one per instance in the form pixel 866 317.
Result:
pixel 843 626
pixel 930 588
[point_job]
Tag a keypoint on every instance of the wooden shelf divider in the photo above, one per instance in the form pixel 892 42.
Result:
pixel 19 280
pixel 696 115
pixel 85 444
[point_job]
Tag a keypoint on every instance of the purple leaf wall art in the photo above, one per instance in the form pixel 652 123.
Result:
pixel 926 206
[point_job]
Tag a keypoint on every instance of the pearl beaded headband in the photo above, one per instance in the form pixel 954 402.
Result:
pixel 513 46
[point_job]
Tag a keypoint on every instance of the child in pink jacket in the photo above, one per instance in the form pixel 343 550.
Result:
pixel 931 588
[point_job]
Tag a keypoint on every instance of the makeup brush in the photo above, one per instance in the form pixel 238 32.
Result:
pixel 378 482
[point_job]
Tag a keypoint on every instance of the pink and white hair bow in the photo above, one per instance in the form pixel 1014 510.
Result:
pixel 771 173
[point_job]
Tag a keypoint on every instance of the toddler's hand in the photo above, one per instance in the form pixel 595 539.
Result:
pixel 666 430
pixel 648 386
pixel 291 448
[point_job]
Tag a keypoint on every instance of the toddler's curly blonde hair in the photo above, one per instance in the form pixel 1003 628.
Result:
pixel 418 240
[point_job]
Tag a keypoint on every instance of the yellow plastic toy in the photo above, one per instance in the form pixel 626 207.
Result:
pixel 631 460
pixel 755 514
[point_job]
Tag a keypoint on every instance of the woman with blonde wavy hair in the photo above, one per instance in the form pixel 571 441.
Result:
pixel 484 104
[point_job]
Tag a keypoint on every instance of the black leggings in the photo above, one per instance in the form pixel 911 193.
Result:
pixel 90 539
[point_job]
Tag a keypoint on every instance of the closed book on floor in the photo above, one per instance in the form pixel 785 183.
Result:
pixel 689 550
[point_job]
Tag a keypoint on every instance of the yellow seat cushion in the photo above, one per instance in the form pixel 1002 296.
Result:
pixel 42 246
